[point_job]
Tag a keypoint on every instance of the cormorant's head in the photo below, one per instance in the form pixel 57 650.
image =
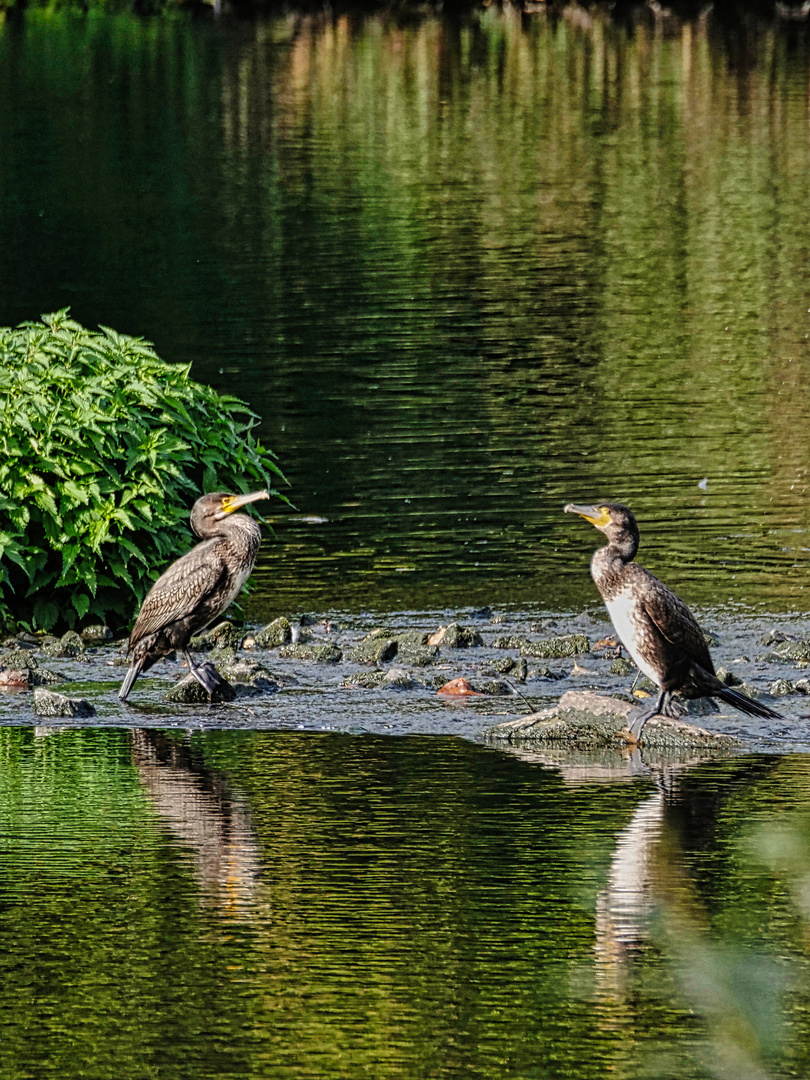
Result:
pixel 213 508
pixel 615 520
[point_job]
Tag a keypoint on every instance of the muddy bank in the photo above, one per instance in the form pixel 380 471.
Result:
pixel 354 673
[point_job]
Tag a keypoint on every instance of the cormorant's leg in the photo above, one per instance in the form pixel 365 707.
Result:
pixel 201 674
pixel 638 722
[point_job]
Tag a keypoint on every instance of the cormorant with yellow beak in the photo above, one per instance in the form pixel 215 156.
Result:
pixel 654 625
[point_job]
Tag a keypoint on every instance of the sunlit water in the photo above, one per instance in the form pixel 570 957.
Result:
pixel 465 270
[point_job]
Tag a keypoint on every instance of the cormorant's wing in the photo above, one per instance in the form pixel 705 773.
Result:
pixel 178 591
pixel 674 621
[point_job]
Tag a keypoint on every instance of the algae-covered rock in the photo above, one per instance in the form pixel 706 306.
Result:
pixel 587 719
pixel 378 647
pixel 323 654
pixel 44 676
pixel 793 650
pixel 413 649
pixel 399 678
pixel 367 680
pixel 276 633
pixel 251 673
pixel 49 703
pixel 222 655
pixel 493 687
pixel 18 658
pixel 510 641
pixel 554 648
pixel 456 636
pixel 782 687
pixel 96 634
pixel 222 636
pixel 621 666
pixel 189 692
pixel 70 645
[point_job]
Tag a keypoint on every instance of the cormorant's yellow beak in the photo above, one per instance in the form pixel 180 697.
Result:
pixel 233 502
pixel 597 515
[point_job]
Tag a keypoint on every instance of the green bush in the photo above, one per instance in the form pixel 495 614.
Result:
pixel 104 449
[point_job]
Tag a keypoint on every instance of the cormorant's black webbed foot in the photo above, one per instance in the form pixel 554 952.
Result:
pixel 206 674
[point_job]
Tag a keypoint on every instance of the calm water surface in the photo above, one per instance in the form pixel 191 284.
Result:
pixel 267 904
pixel 466 271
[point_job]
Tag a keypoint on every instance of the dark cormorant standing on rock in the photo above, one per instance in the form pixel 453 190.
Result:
pixel 198 587
pixel 657 629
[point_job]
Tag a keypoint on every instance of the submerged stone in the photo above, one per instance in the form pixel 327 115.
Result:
pixel 587 719
pixel 49 703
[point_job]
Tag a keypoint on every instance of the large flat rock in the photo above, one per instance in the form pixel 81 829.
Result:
pixel 585 719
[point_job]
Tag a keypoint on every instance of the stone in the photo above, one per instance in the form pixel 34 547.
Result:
pixel 189 692
pixel 69 645
pixel 621 666
pixel 323 654
pixel 583 719
pixel 782 687
pixel 251 672
pixel 554 648
pixel 399 678
pixel 793 650
pixel 18 658
pixel 510 641
pixel 367 680
pixel 378 647
pixel 456 636
pixel 96 634
pixel 276 633
pixel 728 677
pixel 49 703
pixel 15 678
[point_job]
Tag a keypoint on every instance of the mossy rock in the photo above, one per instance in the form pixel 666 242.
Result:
pixel 97 634
pixel 456 636
pixel 555 648
pixel 586 719
pixel 49 703
pixel 276 633
pixel 782 687
pixel 323 654
pixel 189 692
pixel 18 658
pixel 621 666
pixel 252 673
pixel 69 645
pixel 510 641
pixel 378 647
pixel 367 680
pixel 797 651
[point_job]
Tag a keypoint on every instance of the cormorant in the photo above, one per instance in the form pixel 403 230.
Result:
pixel 654 625
pixel 198 587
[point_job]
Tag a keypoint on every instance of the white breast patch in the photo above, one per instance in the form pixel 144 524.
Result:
pixel 621 610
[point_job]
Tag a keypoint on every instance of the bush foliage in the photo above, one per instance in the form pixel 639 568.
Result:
pixel 104 448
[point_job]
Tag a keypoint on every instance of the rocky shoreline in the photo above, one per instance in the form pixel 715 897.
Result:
pixel 461 673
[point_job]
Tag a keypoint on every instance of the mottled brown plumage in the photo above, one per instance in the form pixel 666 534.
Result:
pixel 654 625
pixel 198 587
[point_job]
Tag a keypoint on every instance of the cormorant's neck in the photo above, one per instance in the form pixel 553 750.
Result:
pixel 622 545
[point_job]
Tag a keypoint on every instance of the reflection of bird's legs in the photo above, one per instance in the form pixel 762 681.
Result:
pixel 201 674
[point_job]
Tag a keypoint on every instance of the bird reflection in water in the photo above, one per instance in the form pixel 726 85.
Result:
pixel 204 817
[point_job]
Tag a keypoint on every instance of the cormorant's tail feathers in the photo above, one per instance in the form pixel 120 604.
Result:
pixel 746 704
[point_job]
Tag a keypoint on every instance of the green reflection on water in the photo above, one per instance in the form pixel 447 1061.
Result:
pixel 466 270
pixel 260 904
